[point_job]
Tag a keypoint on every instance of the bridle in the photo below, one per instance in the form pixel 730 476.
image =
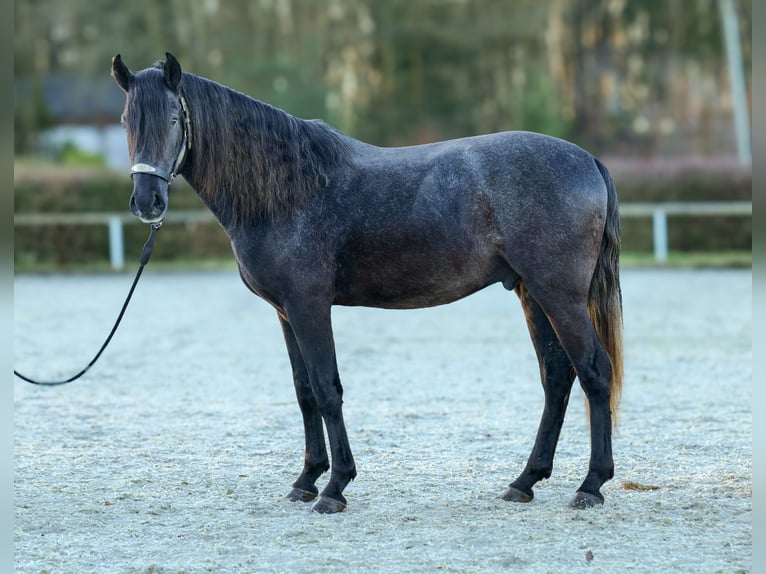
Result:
pixel 186 146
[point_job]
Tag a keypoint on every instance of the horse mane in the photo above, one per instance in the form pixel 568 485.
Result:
pixel 252 159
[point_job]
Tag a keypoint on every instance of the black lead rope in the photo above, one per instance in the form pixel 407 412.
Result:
pixel 146 253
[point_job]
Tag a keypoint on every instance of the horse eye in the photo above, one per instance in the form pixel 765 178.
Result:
pixel 173 120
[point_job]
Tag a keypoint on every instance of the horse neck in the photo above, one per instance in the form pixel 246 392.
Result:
pixel 252 161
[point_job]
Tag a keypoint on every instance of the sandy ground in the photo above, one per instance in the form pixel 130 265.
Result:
pixel 174 454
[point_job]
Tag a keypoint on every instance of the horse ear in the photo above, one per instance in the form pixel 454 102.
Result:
pixel 121 74
pixel 172 72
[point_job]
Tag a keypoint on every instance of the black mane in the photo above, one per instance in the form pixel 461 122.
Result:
pixel 258 159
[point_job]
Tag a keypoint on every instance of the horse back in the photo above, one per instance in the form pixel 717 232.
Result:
pixel 432 223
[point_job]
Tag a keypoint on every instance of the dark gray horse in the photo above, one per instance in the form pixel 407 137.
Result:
pixel 317 218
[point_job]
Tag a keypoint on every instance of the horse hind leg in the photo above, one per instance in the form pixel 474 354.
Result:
pixel 557 376
pixel 567 311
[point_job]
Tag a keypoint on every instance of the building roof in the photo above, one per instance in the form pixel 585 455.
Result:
pixel 72 99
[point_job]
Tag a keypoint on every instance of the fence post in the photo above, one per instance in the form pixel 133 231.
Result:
pixel 116 243
pixel 660 234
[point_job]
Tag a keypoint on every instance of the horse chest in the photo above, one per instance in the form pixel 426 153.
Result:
pixel 277 266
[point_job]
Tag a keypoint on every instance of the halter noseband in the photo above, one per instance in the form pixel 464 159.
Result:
pixel 185 146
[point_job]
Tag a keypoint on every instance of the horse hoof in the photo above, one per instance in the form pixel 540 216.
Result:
pixel 300 495
pixel 586 500
pixel 515 495
pixel 325 505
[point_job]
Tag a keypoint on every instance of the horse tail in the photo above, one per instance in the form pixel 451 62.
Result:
pixel 605 296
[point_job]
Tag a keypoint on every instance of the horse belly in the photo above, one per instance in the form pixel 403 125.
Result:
pixel 415 275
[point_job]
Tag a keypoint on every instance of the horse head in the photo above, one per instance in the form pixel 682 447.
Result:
pixel 156 119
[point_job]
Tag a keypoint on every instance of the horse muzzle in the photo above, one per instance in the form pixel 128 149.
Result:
pixel 149 201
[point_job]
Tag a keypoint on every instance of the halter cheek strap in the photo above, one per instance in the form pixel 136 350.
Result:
pixel 186 145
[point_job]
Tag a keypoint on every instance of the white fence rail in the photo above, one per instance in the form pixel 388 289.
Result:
pixel 659 213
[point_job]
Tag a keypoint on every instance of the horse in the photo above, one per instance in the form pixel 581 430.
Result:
pixel 317 218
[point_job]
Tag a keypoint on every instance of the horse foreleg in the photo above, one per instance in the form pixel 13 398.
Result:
pixel 557 376
pixel 315 461
pixel 313 333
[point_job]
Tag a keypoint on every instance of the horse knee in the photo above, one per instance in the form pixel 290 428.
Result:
pixel 305 395
pixel 307 404
pixel 329 398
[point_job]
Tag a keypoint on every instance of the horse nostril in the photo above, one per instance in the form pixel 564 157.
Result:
pixel 159 204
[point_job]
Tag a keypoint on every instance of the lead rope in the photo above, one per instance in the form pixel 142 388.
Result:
pixel 146 253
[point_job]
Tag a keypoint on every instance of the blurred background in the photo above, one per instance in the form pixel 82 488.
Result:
pixel 659 89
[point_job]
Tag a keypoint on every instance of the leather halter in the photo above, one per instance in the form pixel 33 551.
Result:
pixel 186 145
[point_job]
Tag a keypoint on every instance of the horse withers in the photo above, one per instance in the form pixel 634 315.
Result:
pixel 317 218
